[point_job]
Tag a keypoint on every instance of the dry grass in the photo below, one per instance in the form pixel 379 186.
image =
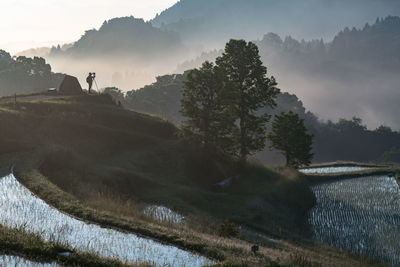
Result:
pixel 31 246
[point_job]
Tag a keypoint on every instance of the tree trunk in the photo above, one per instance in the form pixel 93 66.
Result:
pixel 288 161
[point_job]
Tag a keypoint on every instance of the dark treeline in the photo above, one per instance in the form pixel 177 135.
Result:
pixel 373 46
pixel 25 75
pixel 346 139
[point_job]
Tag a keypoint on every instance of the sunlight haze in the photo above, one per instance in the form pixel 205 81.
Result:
pixel 25 24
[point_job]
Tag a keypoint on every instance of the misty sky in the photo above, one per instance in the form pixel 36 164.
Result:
pixel 34 23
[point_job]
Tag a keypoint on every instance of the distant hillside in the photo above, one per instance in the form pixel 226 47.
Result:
pixel 210 21
pixel 343 140
pixel 125 37
pixel 355 74
pixel 34 52
pixel 25 75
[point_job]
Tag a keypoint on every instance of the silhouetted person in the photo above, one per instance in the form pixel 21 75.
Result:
pixel 90 79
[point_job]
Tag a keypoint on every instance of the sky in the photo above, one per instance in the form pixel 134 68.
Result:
pixel 35 23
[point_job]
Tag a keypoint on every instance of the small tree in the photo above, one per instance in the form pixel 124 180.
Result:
pixel 245 77
pixel 204 105
pixel 289 135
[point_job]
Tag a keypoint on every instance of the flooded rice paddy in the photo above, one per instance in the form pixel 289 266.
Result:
pixel 20 208
pixel 16 261
pixel 360 215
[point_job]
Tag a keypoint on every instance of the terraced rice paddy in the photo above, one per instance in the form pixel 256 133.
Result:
pixel 361 215
pixel 20 208
pixel 333 169
pixel 15 261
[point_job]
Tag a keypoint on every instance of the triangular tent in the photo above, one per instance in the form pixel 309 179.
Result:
pixel 70 86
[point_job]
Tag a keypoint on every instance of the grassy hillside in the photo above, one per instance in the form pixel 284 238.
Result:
pixel 88 146
pixel 90 158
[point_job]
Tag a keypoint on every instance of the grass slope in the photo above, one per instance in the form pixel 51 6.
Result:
pixel 102 163
pixel 30 246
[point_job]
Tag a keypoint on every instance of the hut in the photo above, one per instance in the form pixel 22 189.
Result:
pixel 70 86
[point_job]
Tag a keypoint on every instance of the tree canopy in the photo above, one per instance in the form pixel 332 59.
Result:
pixel 25 75
pixel 251 90
pixel 205 105
pixel 289 135
pixel 222 103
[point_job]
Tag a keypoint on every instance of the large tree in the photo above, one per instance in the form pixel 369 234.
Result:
pixel 246 78
pixel 206 108
pixel 290 136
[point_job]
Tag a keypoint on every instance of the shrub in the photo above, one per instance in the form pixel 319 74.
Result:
pixel 228 229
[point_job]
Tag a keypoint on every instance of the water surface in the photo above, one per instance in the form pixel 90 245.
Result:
pixel 16 261
pixel 361 215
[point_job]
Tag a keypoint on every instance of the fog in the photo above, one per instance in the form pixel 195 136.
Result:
pixel 211 22
pixel 108 73
pixel 351 73
pixel 372 95
pixel 374 99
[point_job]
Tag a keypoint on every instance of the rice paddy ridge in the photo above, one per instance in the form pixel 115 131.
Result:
pixel 344 170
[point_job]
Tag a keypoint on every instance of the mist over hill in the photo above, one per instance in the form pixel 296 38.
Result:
pixel 355 74
pixel 126 52
pixel 212 22
pixel 346 139
pixel 128 38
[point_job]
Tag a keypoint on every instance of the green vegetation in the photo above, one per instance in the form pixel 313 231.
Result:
pixel 205 105
pixel 95 150
pixel 221 102
pixel 22 75
pixel 245 76
pixel 289 135
pixel 346 139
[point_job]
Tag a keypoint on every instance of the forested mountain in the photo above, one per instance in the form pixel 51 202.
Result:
pixel 25 75
pixel 125 52
pixel 373 46
pixel 347 139
pixel 213 21
pixel 378 45
pixel 355 74
pixel 127 38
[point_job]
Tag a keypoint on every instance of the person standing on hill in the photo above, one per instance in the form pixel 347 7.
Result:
pixel 89 80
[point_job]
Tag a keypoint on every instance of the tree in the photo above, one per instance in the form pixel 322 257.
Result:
pixel 289 135
pixel 245 77
pixel 204 105
pixel 350 126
